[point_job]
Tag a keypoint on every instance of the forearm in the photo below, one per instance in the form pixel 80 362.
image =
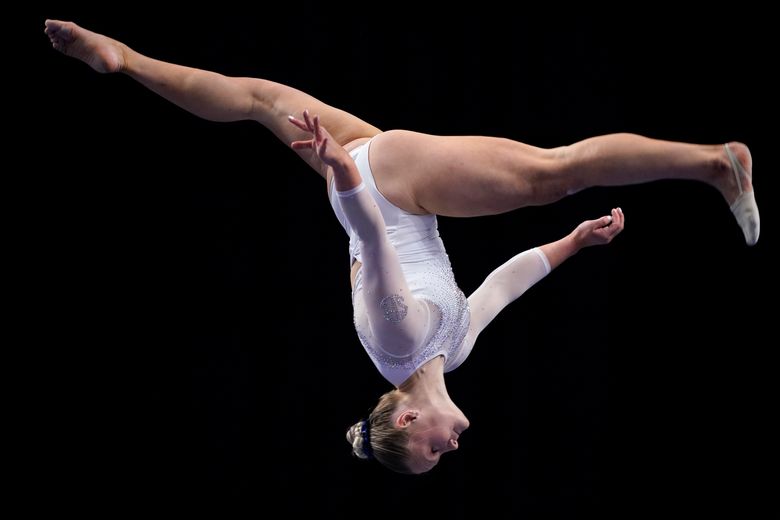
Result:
pixel 560 250
pixel 521 272
pixel 505 284
pixel 206 94
pixel 358 204
pixel 516 276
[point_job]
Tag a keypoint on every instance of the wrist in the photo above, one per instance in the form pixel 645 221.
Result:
pixel 345 174
pixel 575 242
pixel 341 170
pixel 344 164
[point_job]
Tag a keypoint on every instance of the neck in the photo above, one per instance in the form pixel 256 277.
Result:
pixel 426 385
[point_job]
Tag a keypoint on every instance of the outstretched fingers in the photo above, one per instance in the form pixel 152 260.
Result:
pixel 298 123
pixel 302 145
pixel 306 126
pixel 307 118
pixel 319 141
pixel 320 137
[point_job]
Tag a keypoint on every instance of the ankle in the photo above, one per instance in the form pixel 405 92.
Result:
pixel 719 165
pixel 717 168
pixel 128 60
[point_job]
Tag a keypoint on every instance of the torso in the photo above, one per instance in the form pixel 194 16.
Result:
pixel 355 268
pixel 450 313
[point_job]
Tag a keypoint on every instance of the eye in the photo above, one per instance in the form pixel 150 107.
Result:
pixel 434 450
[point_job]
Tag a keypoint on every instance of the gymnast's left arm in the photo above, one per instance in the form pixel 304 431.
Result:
pixel 513 278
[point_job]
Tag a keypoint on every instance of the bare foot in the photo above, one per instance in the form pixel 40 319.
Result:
pixel 99 52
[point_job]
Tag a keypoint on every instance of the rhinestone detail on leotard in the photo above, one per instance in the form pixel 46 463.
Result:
pixel 438 287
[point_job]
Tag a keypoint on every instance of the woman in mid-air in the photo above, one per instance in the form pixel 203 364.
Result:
pixel 386 189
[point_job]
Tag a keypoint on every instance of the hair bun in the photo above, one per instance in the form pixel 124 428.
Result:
pixel 356 440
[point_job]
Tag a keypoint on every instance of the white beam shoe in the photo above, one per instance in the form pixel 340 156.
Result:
pixel 744 208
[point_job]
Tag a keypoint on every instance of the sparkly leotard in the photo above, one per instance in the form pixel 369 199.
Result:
pixel 426 269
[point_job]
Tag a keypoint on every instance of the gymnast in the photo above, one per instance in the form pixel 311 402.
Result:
pixel 386 189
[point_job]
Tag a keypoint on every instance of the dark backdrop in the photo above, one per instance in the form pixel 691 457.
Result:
pixel 192 338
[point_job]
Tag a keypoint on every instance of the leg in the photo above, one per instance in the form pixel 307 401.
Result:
pixel 207 94
pixel 471 176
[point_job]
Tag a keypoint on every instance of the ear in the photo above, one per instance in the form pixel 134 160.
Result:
pixel 406 418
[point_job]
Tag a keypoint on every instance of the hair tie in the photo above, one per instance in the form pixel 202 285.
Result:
pixel 365 432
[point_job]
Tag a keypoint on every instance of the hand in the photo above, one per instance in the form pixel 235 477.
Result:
pixel 600 231
pixel 323 144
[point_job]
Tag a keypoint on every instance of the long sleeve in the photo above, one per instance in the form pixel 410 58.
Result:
pixel 362 213
pixel 505 285
pixel 399 321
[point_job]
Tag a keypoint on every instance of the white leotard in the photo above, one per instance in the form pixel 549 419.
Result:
pixel 408 308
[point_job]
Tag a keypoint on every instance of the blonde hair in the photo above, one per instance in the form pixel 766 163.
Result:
pixel 388 444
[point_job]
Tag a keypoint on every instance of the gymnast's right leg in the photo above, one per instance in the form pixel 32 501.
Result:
pixel 207 94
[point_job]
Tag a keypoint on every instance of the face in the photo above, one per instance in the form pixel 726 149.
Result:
pixel 431 435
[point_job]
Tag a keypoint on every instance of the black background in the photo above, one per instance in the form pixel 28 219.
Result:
pixel 191 341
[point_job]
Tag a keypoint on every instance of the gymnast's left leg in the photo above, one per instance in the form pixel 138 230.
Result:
pixel 208 94
pixel 471 175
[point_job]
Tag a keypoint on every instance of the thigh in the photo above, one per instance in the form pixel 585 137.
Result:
pixel 460 176
pixel 275 101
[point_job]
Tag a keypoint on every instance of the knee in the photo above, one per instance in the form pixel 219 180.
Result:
pixel 554 176
pixel 569 178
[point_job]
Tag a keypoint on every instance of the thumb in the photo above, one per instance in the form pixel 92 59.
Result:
pixel 603 221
